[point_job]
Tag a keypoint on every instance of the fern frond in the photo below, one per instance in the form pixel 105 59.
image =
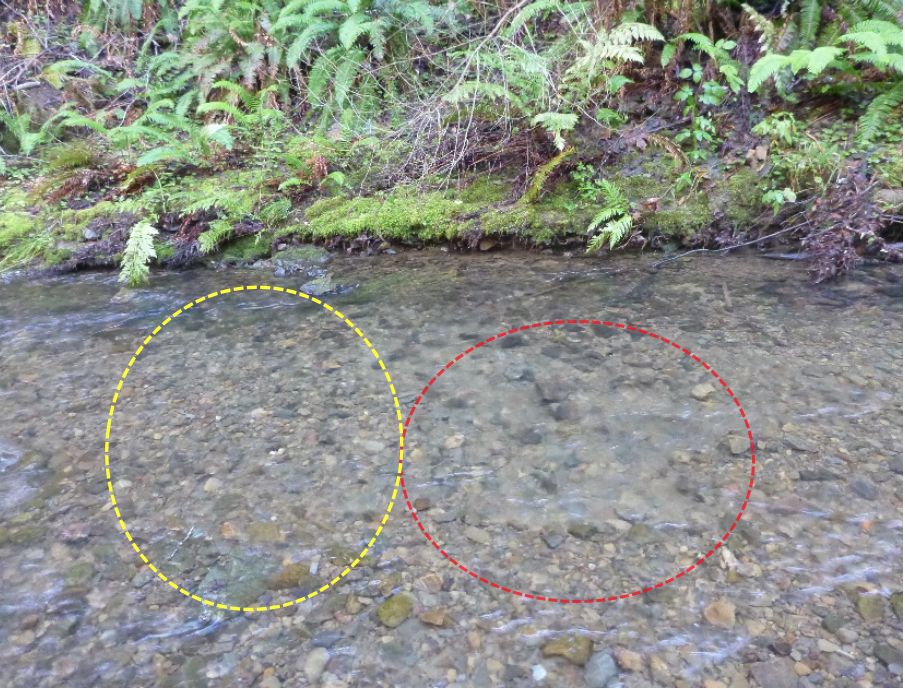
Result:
pixel 669 50
pixel 161 154
pixel 219 231
pixel 820 59
pixel 633 32
pixel 556 123
pixel 345 76
pixel 529 12
pixel 352 28
pixel 809 22
pixel 311 33
pixel 138 252
pixel 763 25
pixel 879 112
pixel 700 42
pixel 468 90
pixel 874 42
pixel 321 7
pixel 766 67
pixel 891 33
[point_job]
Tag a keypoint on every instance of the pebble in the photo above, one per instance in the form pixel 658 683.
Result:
pixel 629 660
pixel 436 618
pixel 887 654
pixel 576 648
pixel 553 539
pixel 865 488
pixel 454 441
pixel 871 608
pixel 473 533
pixel 778 672
pixel 703 391
pixel 539 672
pixel 720 614
pixel 800 444
pixel 326 639
pixel 827 646
pixel 601 670
pixel 316 663
pixel 393 611
pixel 847 636
pixel 802 670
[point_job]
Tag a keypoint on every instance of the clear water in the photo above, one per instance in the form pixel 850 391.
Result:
pixel 257 431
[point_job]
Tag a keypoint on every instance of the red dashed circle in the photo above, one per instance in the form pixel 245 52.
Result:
pixel 679 575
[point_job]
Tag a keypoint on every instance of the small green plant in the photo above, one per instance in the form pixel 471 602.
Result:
pixel 218 231
pixel 801 162
pixel 778 198
pixel 254 122
pixel 781 127
pixel 615 215
pixel 138 253
pixel 20 127
pixel 875 43
pixel 701 132
pixel 718 52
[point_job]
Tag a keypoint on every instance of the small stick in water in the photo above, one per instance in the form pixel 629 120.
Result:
pixel 187 536
pixel 728 298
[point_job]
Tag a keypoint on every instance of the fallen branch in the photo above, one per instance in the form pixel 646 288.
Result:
pixel 730 248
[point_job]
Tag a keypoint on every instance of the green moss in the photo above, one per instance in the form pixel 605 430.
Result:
pixel 306 252
pixel 164 250
pixel 403 215
pixel 245 249
pixel 681 220
pixel 744 191
pixel 56 256
pixel 14 227
pixel 638 188
pixel 73 223
pixel 484 190
pixel 321 206
pixel 503 221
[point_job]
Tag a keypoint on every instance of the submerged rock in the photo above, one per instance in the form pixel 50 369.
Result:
pixel 778 672
pixel 576 648
pixel 395 610
pixel 319 286
pixel 720 614
pixel 264 532
pixel 601 670
pixel 293 576
pixel 872 608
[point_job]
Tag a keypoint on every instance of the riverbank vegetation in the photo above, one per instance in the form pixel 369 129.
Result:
pixel 163 132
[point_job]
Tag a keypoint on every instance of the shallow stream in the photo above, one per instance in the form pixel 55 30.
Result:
pixel 254 452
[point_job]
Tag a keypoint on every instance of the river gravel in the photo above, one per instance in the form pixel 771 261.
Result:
pixel 254 452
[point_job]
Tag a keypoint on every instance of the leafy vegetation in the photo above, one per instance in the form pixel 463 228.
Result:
pixel 210 122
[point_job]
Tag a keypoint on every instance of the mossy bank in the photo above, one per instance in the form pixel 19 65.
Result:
pixel 238 217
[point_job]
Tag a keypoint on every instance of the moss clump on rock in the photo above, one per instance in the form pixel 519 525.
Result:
pixel 576 648
pixel 681 220
pixel 743 193
pixel 403 215
pixel 14 227
pixel 295 576
pixel 395 610
pixel 245 249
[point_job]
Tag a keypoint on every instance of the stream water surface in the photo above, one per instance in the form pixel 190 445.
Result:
pixel 254 450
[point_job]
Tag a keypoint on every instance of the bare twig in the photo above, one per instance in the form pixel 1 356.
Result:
pixel 729 248
pixel 187 536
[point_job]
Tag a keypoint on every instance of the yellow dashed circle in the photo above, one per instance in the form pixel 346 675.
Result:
pixel 110 422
